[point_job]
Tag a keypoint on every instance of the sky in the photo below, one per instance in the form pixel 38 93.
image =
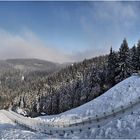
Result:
pixel 66 31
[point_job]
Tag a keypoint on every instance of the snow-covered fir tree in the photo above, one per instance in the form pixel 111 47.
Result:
pixel 124 60
pixel 134 58
pixel 112 66
pixel 138 55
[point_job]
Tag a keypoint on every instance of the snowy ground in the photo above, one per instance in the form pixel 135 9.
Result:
pixel 9 130
pixel 126 126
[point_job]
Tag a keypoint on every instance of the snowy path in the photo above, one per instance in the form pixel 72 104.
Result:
pixel 4 118
pixel 10 130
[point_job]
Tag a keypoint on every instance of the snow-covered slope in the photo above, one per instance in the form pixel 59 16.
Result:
pixel 120 95
pixel 119 124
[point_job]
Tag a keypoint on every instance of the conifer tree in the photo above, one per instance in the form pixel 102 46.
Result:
pixel 134 58
pixel 112 66
pixel 124 69
pixel 138 55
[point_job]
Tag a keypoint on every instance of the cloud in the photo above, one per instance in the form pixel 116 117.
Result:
pixel 28 45
pixel 114 10
pixel 107 23
pixel 90 53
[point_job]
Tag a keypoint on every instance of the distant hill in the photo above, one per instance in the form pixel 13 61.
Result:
pixel 32 64
pixel 28 65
